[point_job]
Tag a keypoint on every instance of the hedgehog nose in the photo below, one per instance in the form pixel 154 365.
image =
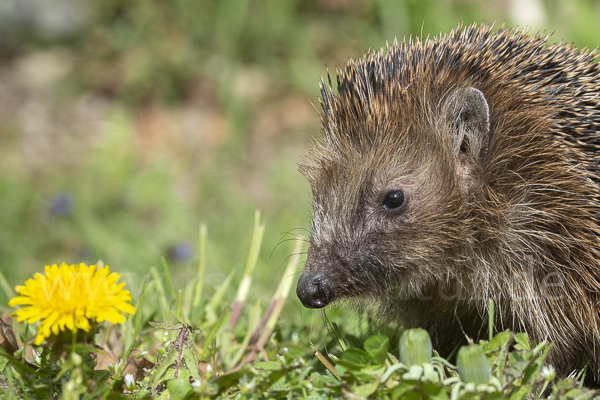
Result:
pixel 312 290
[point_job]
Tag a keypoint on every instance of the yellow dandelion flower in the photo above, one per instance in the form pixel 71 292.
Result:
pixel 69 297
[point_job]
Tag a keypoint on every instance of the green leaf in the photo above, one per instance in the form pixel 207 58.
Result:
pixel 522 342
pixel 161 368
pixel 191 361
pixel 435 391
pixel 521 393
pixel 179 388
pixel 338 334
pixel 225 382
pixel 406 391
pixel 315 379
pixel 354 358
pixel 268 365
pixel 534 370
pixel 365 390
pixel 171 325
pixel 272 378
pixel 3 362
pixel 377 347
pixel 498 341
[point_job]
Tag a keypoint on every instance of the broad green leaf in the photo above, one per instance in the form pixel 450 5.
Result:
pixel 365 390
pixel 160 370
pixel 191 360
pixel 377 347
pixel 354 358
pixel 522 342
pixel 501 339
pixel 179 388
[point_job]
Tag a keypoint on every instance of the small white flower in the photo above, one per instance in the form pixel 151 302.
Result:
pixel 36 357
pixel 114 368
pixel 548 372
pixel 208 372
pixel 196 383
pixel 129 382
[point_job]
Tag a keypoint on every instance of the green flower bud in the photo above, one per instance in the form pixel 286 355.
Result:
pixel 472 364
pixel 415 347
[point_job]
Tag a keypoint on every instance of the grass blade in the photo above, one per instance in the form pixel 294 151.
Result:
pixel 179 297
pixel 282 293
pixel 8 290
pixel 201 267
pixel 325 362
pixel 168 278
pixel 139 307
pixel 275 307
pixel 213 333
pixel 166 312
pixel 491 318
pixel 216 299
pixel 242 294
pixel 137 324
pixel 254 318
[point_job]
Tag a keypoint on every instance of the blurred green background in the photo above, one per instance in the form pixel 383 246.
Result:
pixel 124 124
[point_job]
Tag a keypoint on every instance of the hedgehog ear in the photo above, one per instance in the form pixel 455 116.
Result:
pixel 468 114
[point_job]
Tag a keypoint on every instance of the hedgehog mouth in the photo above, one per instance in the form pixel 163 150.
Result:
pixel 328 278
pixel 316 289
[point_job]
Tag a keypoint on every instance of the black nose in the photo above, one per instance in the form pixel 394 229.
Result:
pixel 312 290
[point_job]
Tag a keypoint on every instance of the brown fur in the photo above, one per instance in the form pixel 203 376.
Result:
pixel 513 217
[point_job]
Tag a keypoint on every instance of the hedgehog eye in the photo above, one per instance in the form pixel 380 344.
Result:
pixel 393 199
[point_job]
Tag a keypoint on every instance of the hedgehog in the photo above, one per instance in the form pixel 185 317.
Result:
pixel 458 169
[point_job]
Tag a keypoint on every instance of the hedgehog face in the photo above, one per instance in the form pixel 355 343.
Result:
pixel 389 208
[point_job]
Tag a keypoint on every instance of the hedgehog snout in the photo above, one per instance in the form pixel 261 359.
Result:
pixel 313 290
